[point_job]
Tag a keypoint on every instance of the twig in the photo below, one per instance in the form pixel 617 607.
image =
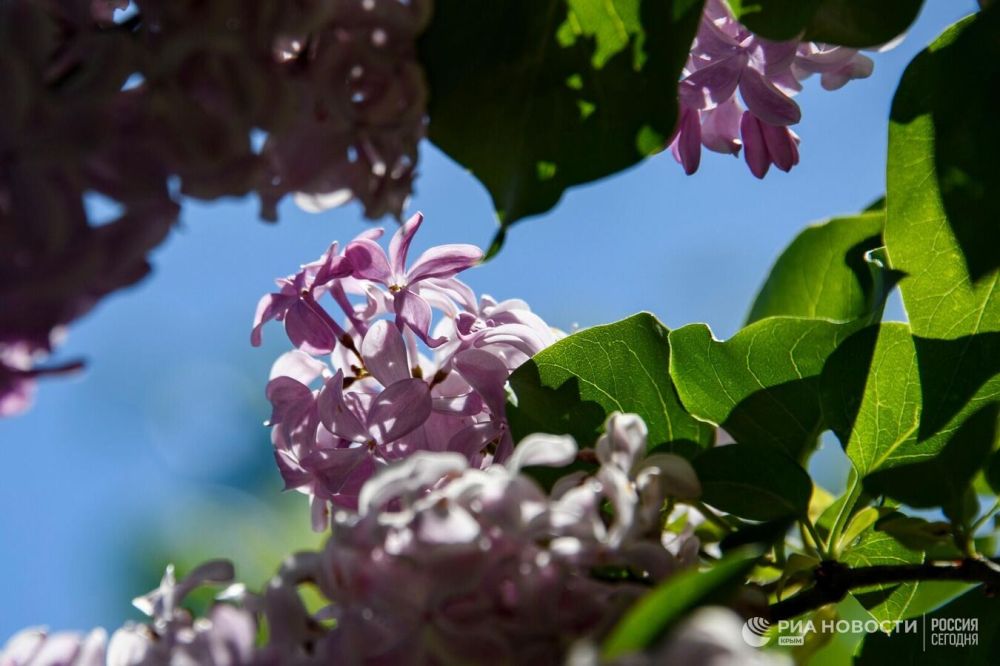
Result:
pixel 833 580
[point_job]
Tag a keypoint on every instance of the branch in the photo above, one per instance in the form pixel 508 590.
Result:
pixel 834 580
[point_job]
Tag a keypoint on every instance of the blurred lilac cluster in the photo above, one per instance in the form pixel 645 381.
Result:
pixel 726 59
pixel 442 563
pixel 393 381
pixel 141 102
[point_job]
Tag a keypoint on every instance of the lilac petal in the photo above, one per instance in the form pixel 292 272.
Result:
pixel 338 466
pixel 471 440
pixel 754 147
pixel 421 470
pixel 686 146
pixel 487 374
pixel 720 128
pixel 859 67
pixel 369 260
pixel 290 400
pixel 384 352
pixel 713 84
pixel 780 146
pixel 767 102
pixel 776 57
pixel 452 288
pixel 398 410
pixel 624 441
pixel 468 404
pixel 676 474
pixel 298 365
pixel 92 649
pixel 414 312
pixel 129 645
pixel 22 646
pixel 546 450
pixel 234 633
pixel 444 261
pixel 334 413
pixel 399 246
pixel 269 307
pixel 292 473
pixel 308 330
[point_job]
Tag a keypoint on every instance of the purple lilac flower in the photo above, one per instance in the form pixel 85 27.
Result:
pixel 446 560
pixel 736 91
pixel 383 380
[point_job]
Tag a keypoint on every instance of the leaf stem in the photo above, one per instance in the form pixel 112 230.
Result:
pixel 833 580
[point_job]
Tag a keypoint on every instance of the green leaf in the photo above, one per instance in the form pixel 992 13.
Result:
pixel 761 385
pixel 993 472
pixel 572 386
pixel 886 603
pixel 535 96
pixel 861 23
pixel 946 476
pixel 922 648
pixel 753 481
pixel 871 397
pixel 654 614
pixel 856 23
pixel 824 273
pixel 942 178
pixel 941 222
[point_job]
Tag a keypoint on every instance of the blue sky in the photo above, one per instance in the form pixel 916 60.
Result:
pixel 171 404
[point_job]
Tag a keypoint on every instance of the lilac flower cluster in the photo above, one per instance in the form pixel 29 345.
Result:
pixel 394 381
pixel 443 562
pixel 226 637
pixel 447 563
pixel 729 63
pixel 143 101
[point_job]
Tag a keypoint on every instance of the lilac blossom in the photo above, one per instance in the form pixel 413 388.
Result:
pixel 225 637
pixel 441 562
pixel 736 91
pixel 444 562
pixel 383 380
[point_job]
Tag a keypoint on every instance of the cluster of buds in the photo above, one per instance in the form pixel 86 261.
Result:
pixel 727 63
pixel 387 380
pixel 143 101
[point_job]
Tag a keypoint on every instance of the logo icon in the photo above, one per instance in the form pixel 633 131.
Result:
pixel 755 632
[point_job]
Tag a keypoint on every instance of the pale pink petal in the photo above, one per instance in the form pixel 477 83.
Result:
pixel 369 260
pixel 487 374
pixel 308 330
pixel 444 261
pixel 290 400
pixel 334 413
pixel 398 410
pixel 269 307
pixel 399 246
pixel 385 354
pixel 765 101
pixel 545 450
pixel 298 365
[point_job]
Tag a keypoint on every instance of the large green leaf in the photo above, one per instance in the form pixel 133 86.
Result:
pixel 847 22
pixel 930 647
pixel 825 273
pixel 761 385
pixel 946 476
pixel 753 481
pixel 942 177
pixel 571 387
pixel 871 397
pixel 886 603
pixel 942 221
pixel 654 614
pixel 535 96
